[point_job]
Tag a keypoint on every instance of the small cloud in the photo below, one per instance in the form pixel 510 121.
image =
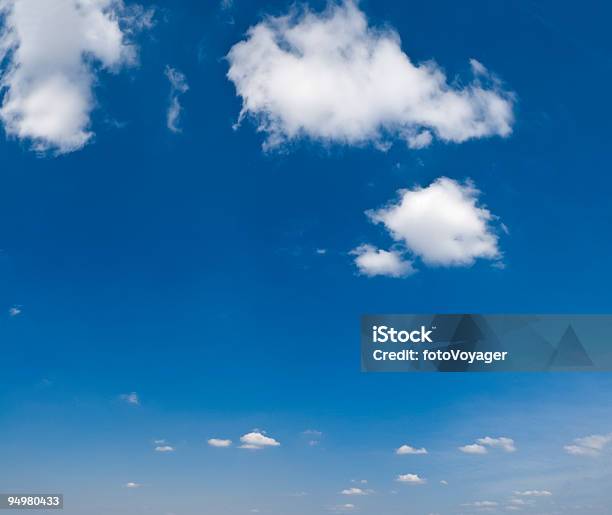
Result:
pixel 481 445
pixel 444 482
pixel 342 508
pixel 164 448
pixel 312 432
pixel 257 440
pixel 473 449
pixel 372 261
pixel 219 442
pixel 130 398
pixel 481 504
pixel 355 491
pixel 412 479
pixel 592 445
pixel 15 311
pixel 407 449
pixel 133 485
pixel 533 493
pixel 321 252
pixel 506 444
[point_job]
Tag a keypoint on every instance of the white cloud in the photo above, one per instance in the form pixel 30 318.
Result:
pixel 164 448
pixel 15 311
pixel 443 482
pixel 133 485
pixel 482 504
pixel 355 491
pixel 506 444
pixel 473 449
pixel 219 442
pixel 342 508
pixel 441 223
pixel 591 445
pixel 413 479
pixel 407 449
pixel 53 51
pixel 372 261
pixel 481 445
pixel 532 493
pixel 178 86
pixel 331 77
pixel 130 398
pixel 256 440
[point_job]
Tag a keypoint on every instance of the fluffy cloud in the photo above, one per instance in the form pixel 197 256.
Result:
pixel 131 484
pixel 372 261
pixel 442 224
pixel 473 449
pixel 481 445
pixel 219 442
pixel 506 444
pixel 407 449
pixel 15 311
pixel 331 77
pixel 256 440
pixel 591 445
pixel 53 50
pixel 412 479
pixel 178 86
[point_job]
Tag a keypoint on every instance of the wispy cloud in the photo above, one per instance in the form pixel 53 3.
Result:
pixel 130 398
pixel 592 445
pixel 482 444
pixel 178 86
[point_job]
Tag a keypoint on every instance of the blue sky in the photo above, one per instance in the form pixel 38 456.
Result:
pixel 188 267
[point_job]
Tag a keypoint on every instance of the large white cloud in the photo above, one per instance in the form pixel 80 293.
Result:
pixel 52 50
pixel 442 224
pixel 332 77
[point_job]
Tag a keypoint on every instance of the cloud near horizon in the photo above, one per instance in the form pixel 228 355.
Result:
pixel 257 441
pixel 332 77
